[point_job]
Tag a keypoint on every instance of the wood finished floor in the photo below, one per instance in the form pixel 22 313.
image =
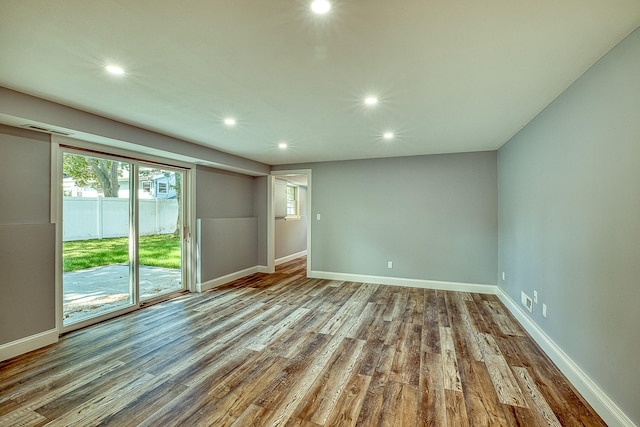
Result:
pixel 286 350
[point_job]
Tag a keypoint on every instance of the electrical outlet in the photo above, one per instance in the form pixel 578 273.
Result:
pixel 504 277
pixel 544 310
pixel 535 296
pixel 317 217
pixel 389 264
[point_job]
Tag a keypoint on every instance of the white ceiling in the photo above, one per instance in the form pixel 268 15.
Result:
pixel 451 76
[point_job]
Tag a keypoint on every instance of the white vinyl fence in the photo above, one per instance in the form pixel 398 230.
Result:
pixel 103 217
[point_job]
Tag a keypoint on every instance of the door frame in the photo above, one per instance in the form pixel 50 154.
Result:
pixel 61 145
pixel 271 222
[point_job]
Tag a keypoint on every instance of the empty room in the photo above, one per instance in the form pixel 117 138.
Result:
pixel 319 213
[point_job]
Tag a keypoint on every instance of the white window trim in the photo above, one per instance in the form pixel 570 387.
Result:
pixel 297 216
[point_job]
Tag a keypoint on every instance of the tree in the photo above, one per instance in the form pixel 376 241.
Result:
pixel 178 187
pixel 99 173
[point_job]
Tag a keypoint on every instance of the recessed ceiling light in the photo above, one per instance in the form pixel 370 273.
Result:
pixel 371 100
pixel 388 135
pixel 114 69
pixel 230 121
pixel 320 6
pixel 282 145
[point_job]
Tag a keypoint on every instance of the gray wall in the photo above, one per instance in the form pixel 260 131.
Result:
pixel 229 236
pixel 435 217
pixel 227 245
pixel 569 227
pixel 29 109
pixel 27 239
pixel 260 194
pixel 222 194
pixel 291 235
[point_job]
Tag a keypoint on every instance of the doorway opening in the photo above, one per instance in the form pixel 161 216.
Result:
pixel 290 219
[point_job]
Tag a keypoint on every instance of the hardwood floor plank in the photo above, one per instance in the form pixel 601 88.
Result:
pixel 399 405
pixel 107 403
pixel 433 410
pixel 504 382
pixel 287 406
pixel 352 307
pixel 430 323
pixel 282 349
pixel 449 361
pixel 35 398
pixel 505 322
pixel 252 416
pixel 475 315
pixel 558 392
pixel 395 307
pixel 464 334
pixel 273 331
pixel 297 422
pixel 371 354
pixel 488 346
pixel 406 363
pixel 8 406
pixel 481 400
pixel 456 409
pixel 331 382
pixel 539 407
pixel 443 315
pixel 373 328
pixel 23 417
pixel 144 405
pixel 370 413
pixel 347 408
pixel 284 382
pixel 228 399
pixel 520 416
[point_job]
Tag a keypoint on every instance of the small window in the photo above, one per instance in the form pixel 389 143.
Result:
pixel 292 201
pixel 146 186
pixel 162 188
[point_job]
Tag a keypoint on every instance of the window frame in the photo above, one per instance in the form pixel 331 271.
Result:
pixel 163 188
pixel 296 200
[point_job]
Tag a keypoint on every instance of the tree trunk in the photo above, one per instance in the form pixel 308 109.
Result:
pixel 107 174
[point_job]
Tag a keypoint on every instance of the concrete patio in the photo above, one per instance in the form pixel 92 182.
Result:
pixel 94 291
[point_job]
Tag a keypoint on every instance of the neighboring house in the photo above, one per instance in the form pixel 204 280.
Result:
pixel 164 186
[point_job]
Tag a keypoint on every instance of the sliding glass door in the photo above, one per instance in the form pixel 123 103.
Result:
pixel 122 242
pixel 160 230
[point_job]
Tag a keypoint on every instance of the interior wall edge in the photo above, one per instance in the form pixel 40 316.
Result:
pixel 291 257
pixel 222 280
pixel 400 281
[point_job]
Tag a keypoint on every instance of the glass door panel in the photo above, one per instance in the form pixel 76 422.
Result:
pixel 160 227
pixel 96 212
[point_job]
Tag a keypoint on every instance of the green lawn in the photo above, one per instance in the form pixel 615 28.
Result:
pixel 158 251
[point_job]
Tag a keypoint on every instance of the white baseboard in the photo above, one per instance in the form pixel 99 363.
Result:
pixel 290 257
pixel 398 281
pixel 596 397
pixel 218 281
pixel 27 344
